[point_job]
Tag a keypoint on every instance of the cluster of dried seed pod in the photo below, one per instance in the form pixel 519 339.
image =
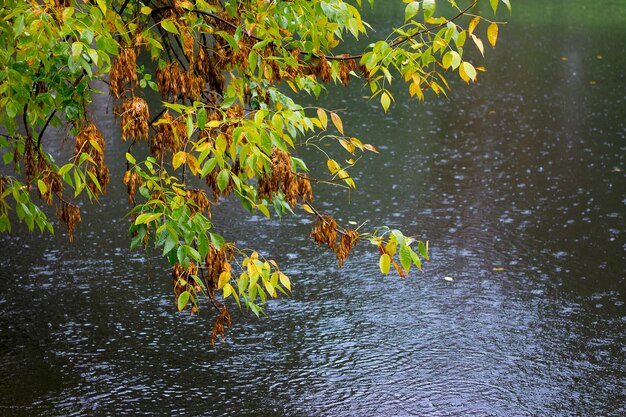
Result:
pixel 271 70
pixel 364 71
pixel 216 262
pixel 123 72
pixel 325 232
pixel 282 178
pixel 30 163
pixel 323 70
pixel 170 135
pixel 200 201
pixel 223 320
pixel 132 181
pixel 348 240
pixel 181 279
pixel 345 67
pixel 291 71
pixel 70 215
pixel 174 83
pixel 52 181
pixel 135 117
pixel 91 141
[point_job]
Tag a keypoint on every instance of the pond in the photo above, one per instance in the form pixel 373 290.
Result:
pixel 518 183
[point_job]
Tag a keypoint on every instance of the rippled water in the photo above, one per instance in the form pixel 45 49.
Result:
pixel 519 185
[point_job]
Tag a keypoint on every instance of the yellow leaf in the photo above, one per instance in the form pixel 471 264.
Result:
pixel 479 44
pixel 321 114
pixel 284 280
pixel 385 101
pixel 179 159
pixel 384 263
pixel 263 209
pixel 473 24
pixel 213 123
pixel 492 34
pixel 348 146
pixel 337 121
pixel 223 279
pixel 193 164
pixel 270 288
pixel 308 208
pixel 467 72
pixel 370 148
pixel 228 290
pixel 333 166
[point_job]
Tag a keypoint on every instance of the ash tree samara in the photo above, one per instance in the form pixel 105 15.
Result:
pixel 226 124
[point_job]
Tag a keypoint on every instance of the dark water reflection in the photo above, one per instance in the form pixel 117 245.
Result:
pixel 519 185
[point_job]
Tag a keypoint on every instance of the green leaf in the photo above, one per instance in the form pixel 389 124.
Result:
pixel 423 250
pixel 203 244
pixel 77 48
pixel 170 243
pixel 11 109
pixel 416 260
pixel 222 179
pixel 194 254
pixel 384 263
pixel 169 25
pixel 216 240
pixel 181 255
pixel 429 8
pixel 405 257
pixel 411 10
pixel 43 188
pixel 451 59
pixel 494 4
pixel 189 126
pixel 201 118
pixel 183 299
pixel 263 209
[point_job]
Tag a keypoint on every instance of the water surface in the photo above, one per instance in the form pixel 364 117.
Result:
pixel 518 183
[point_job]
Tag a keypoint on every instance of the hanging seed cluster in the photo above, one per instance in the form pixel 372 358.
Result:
pixel 348 240
pixel 123 72
pixel 325 232
pixel 30 164
pixel 283 179
pixel 200 202
pixel 132 181
pixel 134 119
pixel 91 141
pixel 223 320
pixel 36 165
pixel 293 70
pixel 216 262
pixel 170 135
pixel 174 83
pixel 364 71
pixel 182 279
pixel 70 215
pixel 53 183
pixel 345 66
